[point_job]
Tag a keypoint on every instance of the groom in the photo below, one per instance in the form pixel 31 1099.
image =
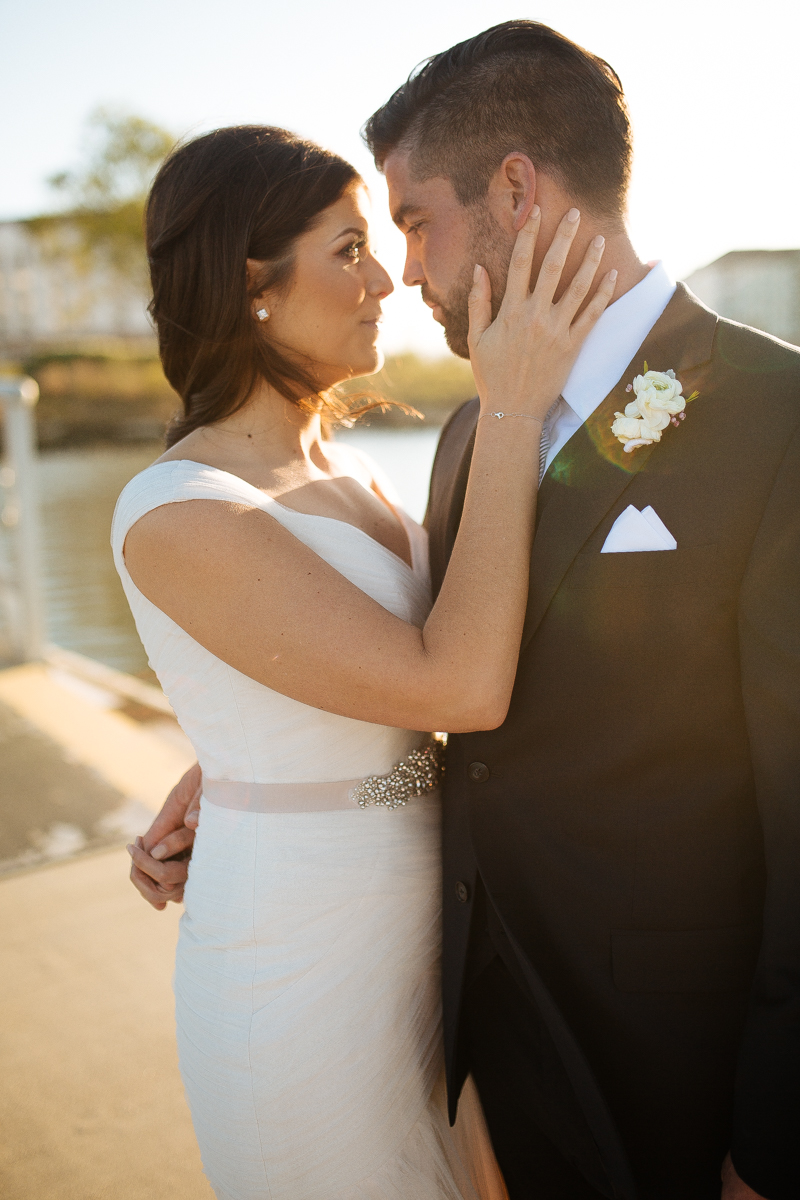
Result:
pixel 621 856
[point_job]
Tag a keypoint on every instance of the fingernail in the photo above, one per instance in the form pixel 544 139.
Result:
pixel 573 215
pixel 599 242
pixel 476 274
pixel 535 212
pixel 129 848
pixel 612 275
pixel 159 852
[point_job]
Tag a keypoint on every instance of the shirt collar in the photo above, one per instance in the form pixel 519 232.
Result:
pixel 615 339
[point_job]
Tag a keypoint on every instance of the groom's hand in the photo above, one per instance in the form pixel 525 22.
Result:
pixel 160 858
pixel 734 1188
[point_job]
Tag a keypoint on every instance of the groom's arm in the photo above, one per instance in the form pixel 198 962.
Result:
pixel 764 1147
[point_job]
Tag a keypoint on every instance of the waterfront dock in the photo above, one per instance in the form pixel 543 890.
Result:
pixel 91 1101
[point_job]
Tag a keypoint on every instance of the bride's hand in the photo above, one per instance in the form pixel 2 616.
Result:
pixel 523 358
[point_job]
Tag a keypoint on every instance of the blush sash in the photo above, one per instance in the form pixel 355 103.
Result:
pixel 281 797
pixel 418 773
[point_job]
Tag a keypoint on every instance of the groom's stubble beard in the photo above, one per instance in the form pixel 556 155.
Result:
pixel 490 247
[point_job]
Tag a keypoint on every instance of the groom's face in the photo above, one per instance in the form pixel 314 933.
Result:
pixel 444 241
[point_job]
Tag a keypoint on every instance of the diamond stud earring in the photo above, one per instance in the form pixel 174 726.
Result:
pixel 262 313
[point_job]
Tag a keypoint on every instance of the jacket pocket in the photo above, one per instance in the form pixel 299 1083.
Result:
pixel 693 960
pixel 646 568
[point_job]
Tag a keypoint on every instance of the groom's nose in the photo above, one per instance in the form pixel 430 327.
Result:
pixel 413 274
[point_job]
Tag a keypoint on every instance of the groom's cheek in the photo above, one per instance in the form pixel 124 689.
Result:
pixel 445 258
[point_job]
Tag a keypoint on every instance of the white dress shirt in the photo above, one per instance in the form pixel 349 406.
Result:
pixel 607 351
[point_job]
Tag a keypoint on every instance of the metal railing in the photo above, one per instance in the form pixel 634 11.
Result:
pixel 21 602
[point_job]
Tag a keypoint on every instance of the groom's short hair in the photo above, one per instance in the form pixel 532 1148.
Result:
pixel 519 86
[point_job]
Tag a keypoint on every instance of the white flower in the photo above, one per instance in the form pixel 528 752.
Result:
pixel 658 401
pixel 653 418
pixel 658 391
pixel 626 428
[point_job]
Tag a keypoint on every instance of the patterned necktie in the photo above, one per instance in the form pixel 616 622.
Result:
pixel 547 437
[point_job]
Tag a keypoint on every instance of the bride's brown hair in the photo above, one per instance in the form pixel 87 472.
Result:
pixel 238 193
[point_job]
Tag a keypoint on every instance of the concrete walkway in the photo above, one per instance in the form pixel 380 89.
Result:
pixel 76 772
pixel 91 1103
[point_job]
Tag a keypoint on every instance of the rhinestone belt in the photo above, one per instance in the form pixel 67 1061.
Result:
pixel 421 771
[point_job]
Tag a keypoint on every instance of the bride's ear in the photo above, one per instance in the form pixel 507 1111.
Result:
pixel 258 301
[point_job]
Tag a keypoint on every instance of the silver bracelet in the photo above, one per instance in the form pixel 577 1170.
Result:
pixel 500 415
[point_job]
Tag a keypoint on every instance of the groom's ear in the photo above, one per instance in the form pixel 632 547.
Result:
pixel 512 191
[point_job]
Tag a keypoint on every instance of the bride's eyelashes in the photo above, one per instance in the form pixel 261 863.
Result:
pixel 353 250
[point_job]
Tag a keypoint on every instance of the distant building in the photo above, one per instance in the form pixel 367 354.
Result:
pixel 49 300
pixel 756 287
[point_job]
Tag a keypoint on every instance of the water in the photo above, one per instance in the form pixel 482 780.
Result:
pixel 86 607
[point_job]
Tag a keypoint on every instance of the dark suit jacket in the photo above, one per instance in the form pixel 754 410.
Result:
pixel 638 820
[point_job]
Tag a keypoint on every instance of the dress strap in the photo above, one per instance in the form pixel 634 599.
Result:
pixel 172 482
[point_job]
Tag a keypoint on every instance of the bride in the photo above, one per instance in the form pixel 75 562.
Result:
pixel 283 598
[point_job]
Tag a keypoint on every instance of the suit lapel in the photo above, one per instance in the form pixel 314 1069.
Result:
pixel 592 470
pixel 448 487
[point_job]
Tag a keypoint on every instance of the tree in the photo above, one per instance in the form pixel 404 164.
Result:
pixel 102 221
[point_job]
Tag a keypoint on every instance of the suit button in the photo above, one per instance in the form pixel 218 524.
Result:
pixel 462 892
pixel 478 772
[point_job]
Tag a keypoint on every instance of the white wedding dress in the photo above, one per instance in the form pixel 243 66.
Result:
pixel 307 973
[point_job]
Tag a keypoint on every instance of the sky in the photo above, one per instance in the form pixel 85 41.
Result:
pixel 713 88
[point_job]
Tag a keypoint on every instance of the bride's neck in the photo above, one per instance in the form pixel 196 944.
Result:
pixel 270 429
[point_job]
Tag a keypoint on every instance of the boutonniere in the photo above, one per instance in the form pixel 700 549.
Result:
pixel 658 403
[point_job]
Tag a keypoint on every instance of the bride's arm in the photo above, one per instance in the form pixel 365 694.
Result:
pixel 251 593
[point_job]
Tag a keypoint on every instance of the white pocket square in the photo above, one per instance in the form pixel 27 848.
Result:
pixel 634 531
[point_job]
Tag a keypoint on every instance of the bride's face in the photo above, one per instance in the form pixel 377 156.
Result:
pixel 328 318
